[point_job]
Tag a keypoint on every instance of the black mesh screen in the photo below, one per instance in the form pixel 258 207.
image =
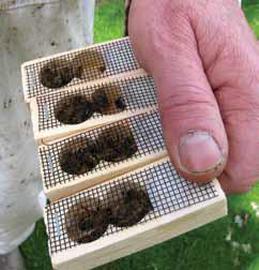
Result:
pixel 136 92
pixel 167 191
pixel 146 130
pixel 81 66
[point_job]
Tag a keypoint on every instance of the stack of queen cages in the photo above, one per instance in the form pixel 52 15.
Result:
pixel 82 89
pixel 112 188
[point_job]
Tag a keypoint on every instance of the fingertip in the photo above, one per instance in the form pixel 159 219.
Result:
pixel 203 177
pixel 199 152
pixel 199 157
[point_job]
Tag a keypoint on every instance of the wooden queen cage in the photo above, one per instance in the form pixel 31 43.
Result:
pixel 112 188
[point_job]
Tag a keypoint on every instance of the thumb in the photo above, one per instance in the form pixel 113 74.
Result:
pixel 193 129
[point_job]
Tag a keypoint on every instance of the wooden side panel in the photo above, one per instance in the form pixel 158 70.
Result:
pixel 64 190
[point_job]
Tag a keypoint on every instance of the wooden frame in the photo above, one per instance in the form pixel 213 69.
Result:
pixel 126 64
pixel 178 206
pixel 62 130
pixel 145 155
pixel 80 183
pixel 141 236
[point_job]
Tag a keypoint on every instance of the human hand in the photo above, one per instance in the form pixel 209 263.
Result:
pixel 205 62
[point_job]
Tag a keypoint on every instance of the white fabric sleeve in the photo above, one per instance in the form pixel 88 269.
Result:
pixel 29 29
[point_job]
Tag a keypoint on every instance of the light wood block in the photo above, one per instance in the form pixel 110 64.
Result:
pixel 82 65
pixel 178 206
pixel 147 132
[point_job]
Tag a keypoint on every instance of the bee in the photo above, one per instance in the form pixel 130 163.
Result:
pixel 100 100
pixel 117 144
pixel 131 206
pixel 57 74
pixel 74 110
pixel 78 161
pixel 85 223
pixel 120 103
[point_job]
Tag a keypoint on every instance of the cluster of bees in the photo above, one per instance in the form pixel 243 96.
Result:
pixel 87 222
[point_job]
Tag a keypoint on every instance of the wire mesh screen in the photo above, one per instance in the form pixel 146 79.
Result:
pixel 166 191
pixel 72 68
pixel 135 93
pixel 145 130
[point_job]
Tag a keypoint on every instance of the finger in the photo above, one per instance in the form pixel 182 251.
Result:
pixel 233 71
pixel 192 124
pixel 241 116
pixel 234 187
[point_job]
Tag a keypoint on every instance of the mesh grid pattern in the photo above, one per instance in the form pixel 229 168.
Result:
pixel 137 92
pixel 147 132
pixel 167 191
pixel 114 58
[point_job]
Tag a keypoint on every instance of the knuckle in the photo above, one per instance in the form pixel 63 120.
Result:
pixel 238 106
pixel 188 101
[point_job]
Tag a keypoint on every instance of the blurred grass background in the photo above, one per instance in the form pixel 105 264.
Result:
pixel 231 243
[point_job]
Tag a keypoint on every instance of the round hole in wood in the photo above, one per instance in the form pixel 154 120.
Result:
pixel 73 110
pixel 85 222
pixel 131 205
pixel 78 161
pixel 57 73
pixel 116 144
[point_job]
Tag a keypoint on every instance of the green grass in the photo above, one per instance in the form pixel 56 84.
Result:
pixel 202 249
pixel 252 14
pixel 109 20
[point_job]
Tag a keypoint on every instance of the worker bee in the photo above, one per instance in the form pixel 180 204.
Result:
pixel 85 222
pixel 78 161
pixel 117 144
pixel 100 100
pixel 74 110
pixel 58 73
pixel 131 205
